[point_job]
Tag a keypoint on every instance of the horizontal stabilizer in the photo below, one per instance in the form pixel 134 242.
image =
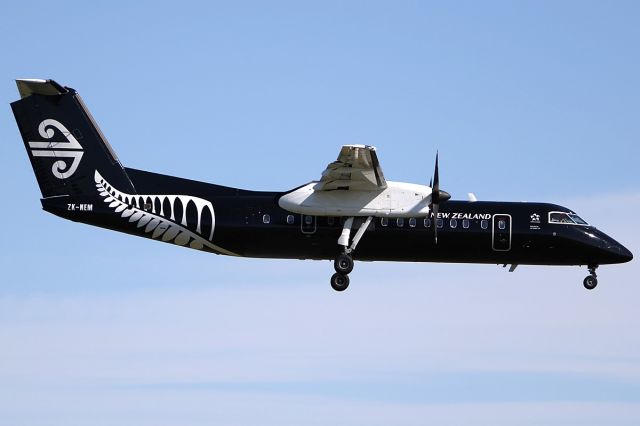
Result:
pixel 32 86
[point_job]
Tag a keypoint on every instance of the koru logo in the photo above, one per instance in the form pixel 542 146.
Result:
pixel 70 150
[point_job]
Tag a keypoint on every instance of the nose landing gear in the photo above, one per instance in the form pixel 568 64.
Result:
pixel 591 281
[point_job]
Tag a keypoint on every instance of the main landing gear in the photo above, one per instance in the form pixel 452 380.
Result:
pixel 339 282
pixel 591 281
pixel 343 264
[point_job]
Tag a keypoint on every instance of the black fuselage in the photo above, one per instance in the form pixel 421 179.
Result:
pixel 251 224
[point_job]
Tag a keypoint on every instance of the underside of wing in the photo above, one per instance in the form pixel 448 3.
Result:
pixel 357 169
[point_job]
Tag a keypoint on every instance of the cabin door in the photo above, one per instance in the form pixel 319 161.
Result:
pixel 501 232
pixel 308 224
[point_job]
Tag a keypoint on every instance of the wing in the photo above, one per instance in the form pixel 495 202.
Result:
pixel 357 169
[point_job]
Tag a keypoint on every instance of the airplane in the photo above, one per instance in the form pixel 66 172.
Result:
pixel 351 212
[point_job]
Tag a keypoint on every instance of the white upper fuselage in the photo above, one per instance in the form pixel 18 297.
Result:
pixel 398 199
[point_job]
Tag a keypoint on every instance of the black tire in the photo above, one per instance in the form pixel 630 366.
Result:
pixel 339 282
pixel 590 282
pixel 343 264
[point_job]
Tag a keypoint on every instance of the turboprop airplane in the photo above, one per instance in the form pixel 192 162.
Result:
pixel 81 179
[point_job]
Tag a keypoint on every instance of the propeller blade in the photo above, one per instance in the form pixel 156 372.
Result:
pixel 435 221
pixel 436 177
pixel 437 197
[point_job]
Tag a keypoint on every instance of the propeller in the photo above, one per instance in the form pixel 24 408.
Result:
pixel 437 196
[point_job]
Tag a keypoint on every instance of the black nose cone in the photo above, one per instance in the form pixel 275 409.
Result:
pixel 625 255
pixel 607 249
pixel 616 252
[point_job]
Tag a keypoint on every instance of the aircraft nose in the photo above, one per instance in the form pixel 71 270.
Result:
pixel 624 255
pixel 614 251
pixel 604 249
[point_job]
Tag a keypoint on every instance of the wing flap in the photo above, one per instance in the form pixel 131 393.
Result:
pixel 357 168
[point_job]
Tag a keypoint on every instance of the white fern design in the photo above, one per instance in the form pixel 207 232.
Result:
pixel 131 207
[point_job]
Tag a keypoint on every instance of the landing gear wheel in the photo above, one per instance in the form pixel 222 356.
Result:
pixel 590 282
pixel 339 282
pixel 343 264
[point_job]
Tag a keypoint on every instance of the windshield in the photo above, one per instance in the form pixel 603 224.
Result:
pixel 577 219
pixel 566 218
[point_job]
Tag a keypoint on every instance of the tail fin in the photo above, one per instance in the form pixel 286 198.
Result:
pixel 63 142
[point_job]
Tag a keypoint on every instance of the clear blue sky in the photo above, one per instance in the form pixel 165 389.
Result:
pixel 524 100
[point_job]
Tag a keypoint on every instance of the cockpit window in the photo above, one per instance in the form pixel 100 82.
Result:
pixel 566 218
pixel 577 219
pixel 559 217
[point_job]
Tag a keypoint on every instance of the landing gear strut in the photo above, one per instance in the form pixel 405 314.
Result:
pixel 591 281
pixel 343 264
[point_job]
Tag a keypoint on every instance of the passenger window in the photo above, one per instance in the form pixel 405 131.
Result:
pixel 384 221
pixel 439 223
pixel 484 224
pixel 465 223
pixel 290 219
pixel 427 223
pixel 266 218
pixel 502 224
pixel 453 223
pixel 412 222
pixel 331 220
pixel 400 222
pixel 308 220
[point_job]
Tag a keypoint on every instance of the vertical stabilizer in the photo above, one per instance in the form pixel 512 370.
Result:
pixel 63 141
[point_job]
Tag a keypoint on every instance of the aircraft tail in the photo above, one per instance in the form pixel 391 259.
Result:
pixel 63 141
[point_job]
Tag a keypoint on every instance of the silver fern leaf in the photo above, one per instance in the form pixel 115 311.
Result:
pixel 131 207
